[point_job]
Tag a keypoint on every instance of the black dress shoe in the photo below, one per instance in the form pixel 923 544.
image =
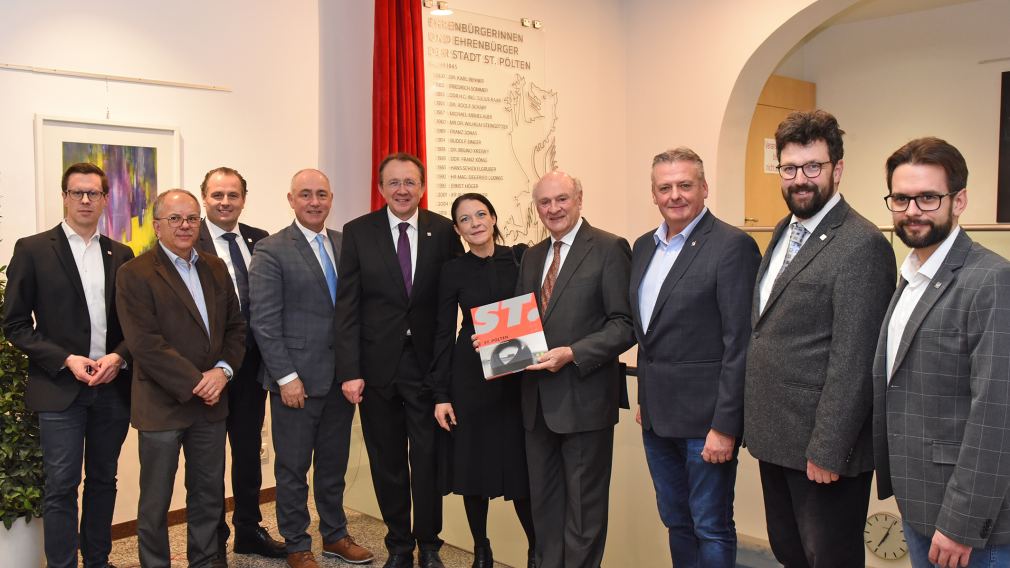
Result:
pixel 259 542
pixel 400 560
pixel 429 559
pixel 482 557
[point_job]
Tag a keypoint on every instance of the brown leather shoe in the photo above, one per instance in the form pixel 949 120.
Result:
pixel 348 551
pixel 303 559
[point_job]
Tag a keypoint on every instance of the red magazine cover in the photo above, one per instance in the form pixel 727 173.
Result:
pixel 509 334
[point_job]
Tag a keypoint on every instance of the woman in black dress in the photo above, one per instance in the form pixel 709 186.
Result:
pixel 486 453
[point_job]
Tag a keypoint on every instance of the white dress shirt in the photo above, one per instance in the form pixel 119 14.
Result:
pixel 224 253
pixel 779 254
pixel 88 258
pixel 667 250
pixel 310 236
pixel 918 275
pixel 567 239
pixel 394 230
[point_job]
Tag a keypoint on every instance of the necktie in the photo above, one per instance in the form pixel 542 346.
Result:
pixel 241 272
pixel 328 271
pixel 552 275
pixel 797 234
pixel 403 255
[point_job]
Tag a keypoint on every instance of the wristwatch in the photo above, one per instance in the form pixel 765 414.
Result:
pixel 227 373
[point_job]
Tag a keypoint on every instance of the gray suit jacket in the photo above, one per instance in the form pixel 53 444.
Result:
pixel 809 386
pixel 941 429
pixel 691 361
pixel 589 312
pixel 292 313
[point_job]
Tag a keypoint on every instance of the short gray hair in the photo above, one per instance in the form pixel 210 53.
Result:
pixel 160 200
pixel 680 154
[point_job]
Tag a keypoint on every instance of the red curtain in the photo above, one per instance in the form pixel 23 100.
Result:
pixel 397 86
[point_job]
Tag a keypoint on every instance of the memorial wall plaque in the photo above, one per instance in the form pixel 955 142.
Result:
pixel 490 117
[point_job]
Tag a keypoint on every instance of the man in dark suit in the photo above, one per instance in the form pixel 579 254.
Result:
pixel 822 289
pixel 78 381
pixel 185 329
pixel 942 372
pixel 570 398
pixel 691 286
pixel 293 284
pixel 386 312
pixel 224 192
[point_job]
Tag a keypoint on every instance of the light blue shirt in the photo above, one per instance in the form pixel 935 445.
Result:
pixel 191 278
pixel 667 250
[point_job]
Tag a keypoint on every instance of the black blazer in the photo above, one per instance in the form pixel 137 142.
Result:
pixel 691 362
pixel 43 280
pixel 373 312
pixel 249 371
pixel 589 312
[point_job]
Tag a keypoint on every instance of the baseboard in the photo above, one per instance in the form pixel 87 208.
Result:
pixel 178 516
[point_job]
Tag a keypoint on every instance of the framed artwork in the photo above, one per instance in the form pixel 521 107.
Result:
pixel 139 160
pixel 1003 174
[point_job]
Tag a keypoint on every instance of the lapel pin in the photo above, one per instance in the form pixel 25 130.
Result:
pixel 823 236
pixel 248 240
pixel 108 252
pixel 694 243
pixel 937 285
pixel 429 233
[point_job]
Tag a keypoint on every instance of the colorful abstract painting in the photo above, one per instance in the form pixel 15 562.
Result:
pixel 133 186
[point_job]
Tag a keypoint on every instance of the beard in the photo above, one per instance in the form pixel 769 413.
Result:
pixel 817 199
pixel 936 233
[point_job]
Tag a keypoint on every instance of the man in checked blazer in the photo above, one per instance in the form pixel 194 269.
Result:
pixel 570 398
pixel 821 293
pixel 292 287
pixel 941 412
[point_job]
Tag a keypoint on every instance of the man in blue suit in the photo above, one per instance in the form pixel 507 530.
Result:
pixel 691 285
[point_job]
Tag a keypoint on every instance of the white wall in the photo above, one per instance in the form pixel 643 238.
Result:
pixel 267 127
pixel 892 79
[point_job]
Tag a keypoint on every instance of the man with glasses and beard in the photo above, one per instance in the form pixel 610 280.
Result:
pixel 821 292
pixel 942 372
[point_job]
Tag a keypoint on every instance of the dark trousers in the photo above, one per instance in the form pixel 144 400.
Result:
pixel 246 409
pixel 569 493
pixel 695 500
pixel 203 445
pixel 812 524
pixel 398 425
pixel 318 435
pixel 89 432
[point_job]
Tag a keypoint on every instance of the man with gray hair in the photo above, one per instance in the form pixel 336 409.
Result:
pixel 691 285
pixel 185 329
pixel 570 399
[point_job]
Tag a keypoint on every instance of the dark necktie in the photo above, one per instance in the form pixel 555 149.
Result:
pixel 552 275
pixel 241 272
pixel 403 255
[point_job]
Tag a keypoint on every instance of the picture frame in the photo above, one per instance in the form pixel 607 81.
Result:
pixel 141 160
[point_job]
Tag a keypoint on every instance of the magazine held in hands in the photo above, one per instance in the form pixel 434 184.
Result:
pixel 509 334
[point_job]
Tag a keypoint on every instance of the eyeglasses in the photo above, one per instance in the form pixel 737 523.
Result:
pixel 925 202
pixel 810 170
pixel 397 184
pixel 79 195
pixel 175 221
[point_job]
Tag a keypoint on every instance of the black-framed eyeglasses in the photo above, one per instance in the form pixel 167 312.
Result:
pixel 175 221
pixel 925 202
pixel 77 195
pixel 810 170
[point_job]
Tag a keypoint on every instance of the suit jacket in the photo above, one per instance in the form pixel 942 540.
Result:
pixel 940 428
pixel 691 362
pixel 171 348
pixel 373 310
pixel 43 280
pixel 250 370
pixel 809 386
pixel 589 312
pixel 292 312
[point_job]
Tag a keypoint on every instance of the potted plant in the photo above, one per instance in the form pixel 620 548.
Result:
pixel 21 475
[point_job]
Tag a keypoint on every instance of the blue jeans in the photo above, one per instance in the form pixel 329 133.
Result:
pixel 695 500
pixel 89 432
pixel 988 557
